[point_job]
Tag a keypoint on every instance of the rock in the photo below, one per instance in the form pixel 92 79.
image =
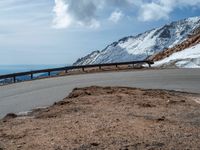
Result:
pixel 94 144
pixel 61 103
pixel 1 147
pixel 10 116
pixel 161 119
pixel 19 146
pixel 145 105
pixel 175 102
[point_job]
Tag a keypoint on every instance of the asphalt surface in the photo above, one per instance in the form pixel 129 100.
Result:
pixel 25 96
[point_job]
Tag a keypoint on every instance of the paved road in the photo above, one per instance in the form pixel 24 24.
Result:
pixel 40 93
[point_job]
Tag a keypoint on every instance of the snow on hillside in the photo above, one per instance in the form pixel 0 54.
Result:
pixel 143 45
pixel 188 58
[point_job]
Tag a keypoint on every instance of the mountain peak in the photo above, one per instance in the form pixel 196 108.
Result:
pixel 143 45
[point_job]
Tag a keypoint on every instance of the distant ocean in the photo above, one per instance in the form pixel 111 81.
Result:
pixel 7 69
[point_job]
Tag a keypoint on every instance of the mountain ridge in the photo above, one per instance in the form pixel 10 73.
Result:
pixel 143 45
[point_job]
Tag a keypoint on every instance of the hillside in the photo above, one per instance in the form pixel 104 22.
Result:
pixel 184 55
pixel 144 45
pixel 191 41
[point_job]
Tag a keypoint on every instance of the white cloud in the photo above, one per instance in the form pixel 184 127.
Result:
pixel 79 12
pixel 116 16
pixel 93 24
pixel 153 11
pixel 62 18
pixel 90 13
pixel 161 9
pixel 86 13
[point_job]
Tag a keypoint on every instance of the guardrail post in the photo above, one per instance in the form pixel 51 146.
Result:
pixel 149 65
pixel 31 76
pixel 14 79
pixel 83 69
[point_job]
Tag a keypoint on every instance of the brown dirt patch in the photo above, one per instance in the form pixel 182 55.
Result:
pixel 108 118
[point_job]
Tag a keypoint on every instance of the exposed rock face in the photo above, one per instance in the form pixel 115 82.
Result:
pixel 184 55
pixel 191 41
pixel 144 45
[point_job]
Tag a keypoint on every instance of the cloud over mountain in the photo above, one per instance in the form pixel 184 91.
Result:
pixel 85 12
pixel 91 13
pixel 79 12
pixel 161 9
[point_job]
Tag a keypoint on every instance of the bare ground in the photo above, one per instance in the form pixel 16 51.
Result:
pixel 108 118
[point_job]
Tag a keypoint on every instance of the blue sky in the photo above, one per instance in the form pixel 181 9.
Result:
pixel 60 31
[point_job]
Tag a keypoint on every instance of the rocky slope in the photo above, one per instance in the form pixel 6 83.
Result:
pixel 184 55
pixel 144 45
pixel 190 42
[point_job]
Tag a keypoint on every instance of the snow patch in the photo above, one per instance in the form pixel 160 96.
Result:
pixel 188 58
pixel 136 46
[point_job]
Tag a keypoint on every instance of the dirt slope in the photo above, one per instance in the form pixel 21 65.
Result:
pixel 108 118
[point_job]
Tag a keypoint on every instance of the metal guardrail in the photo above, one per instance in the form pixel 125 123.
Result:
pixel 67 68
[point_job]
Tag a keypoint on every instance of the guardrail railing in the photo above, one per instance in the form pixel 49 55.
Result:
pixel 67 68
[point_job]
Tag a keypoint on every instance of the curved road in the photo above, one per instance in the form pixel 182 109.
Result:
pixel 40 93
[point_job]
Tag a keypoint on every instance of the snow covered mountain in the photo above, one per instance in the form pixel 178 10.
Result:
pixel 143 45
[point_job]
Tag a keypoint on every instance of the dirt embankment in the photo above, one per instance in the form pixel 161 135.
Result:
pixel 108 118
pixel 191 41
